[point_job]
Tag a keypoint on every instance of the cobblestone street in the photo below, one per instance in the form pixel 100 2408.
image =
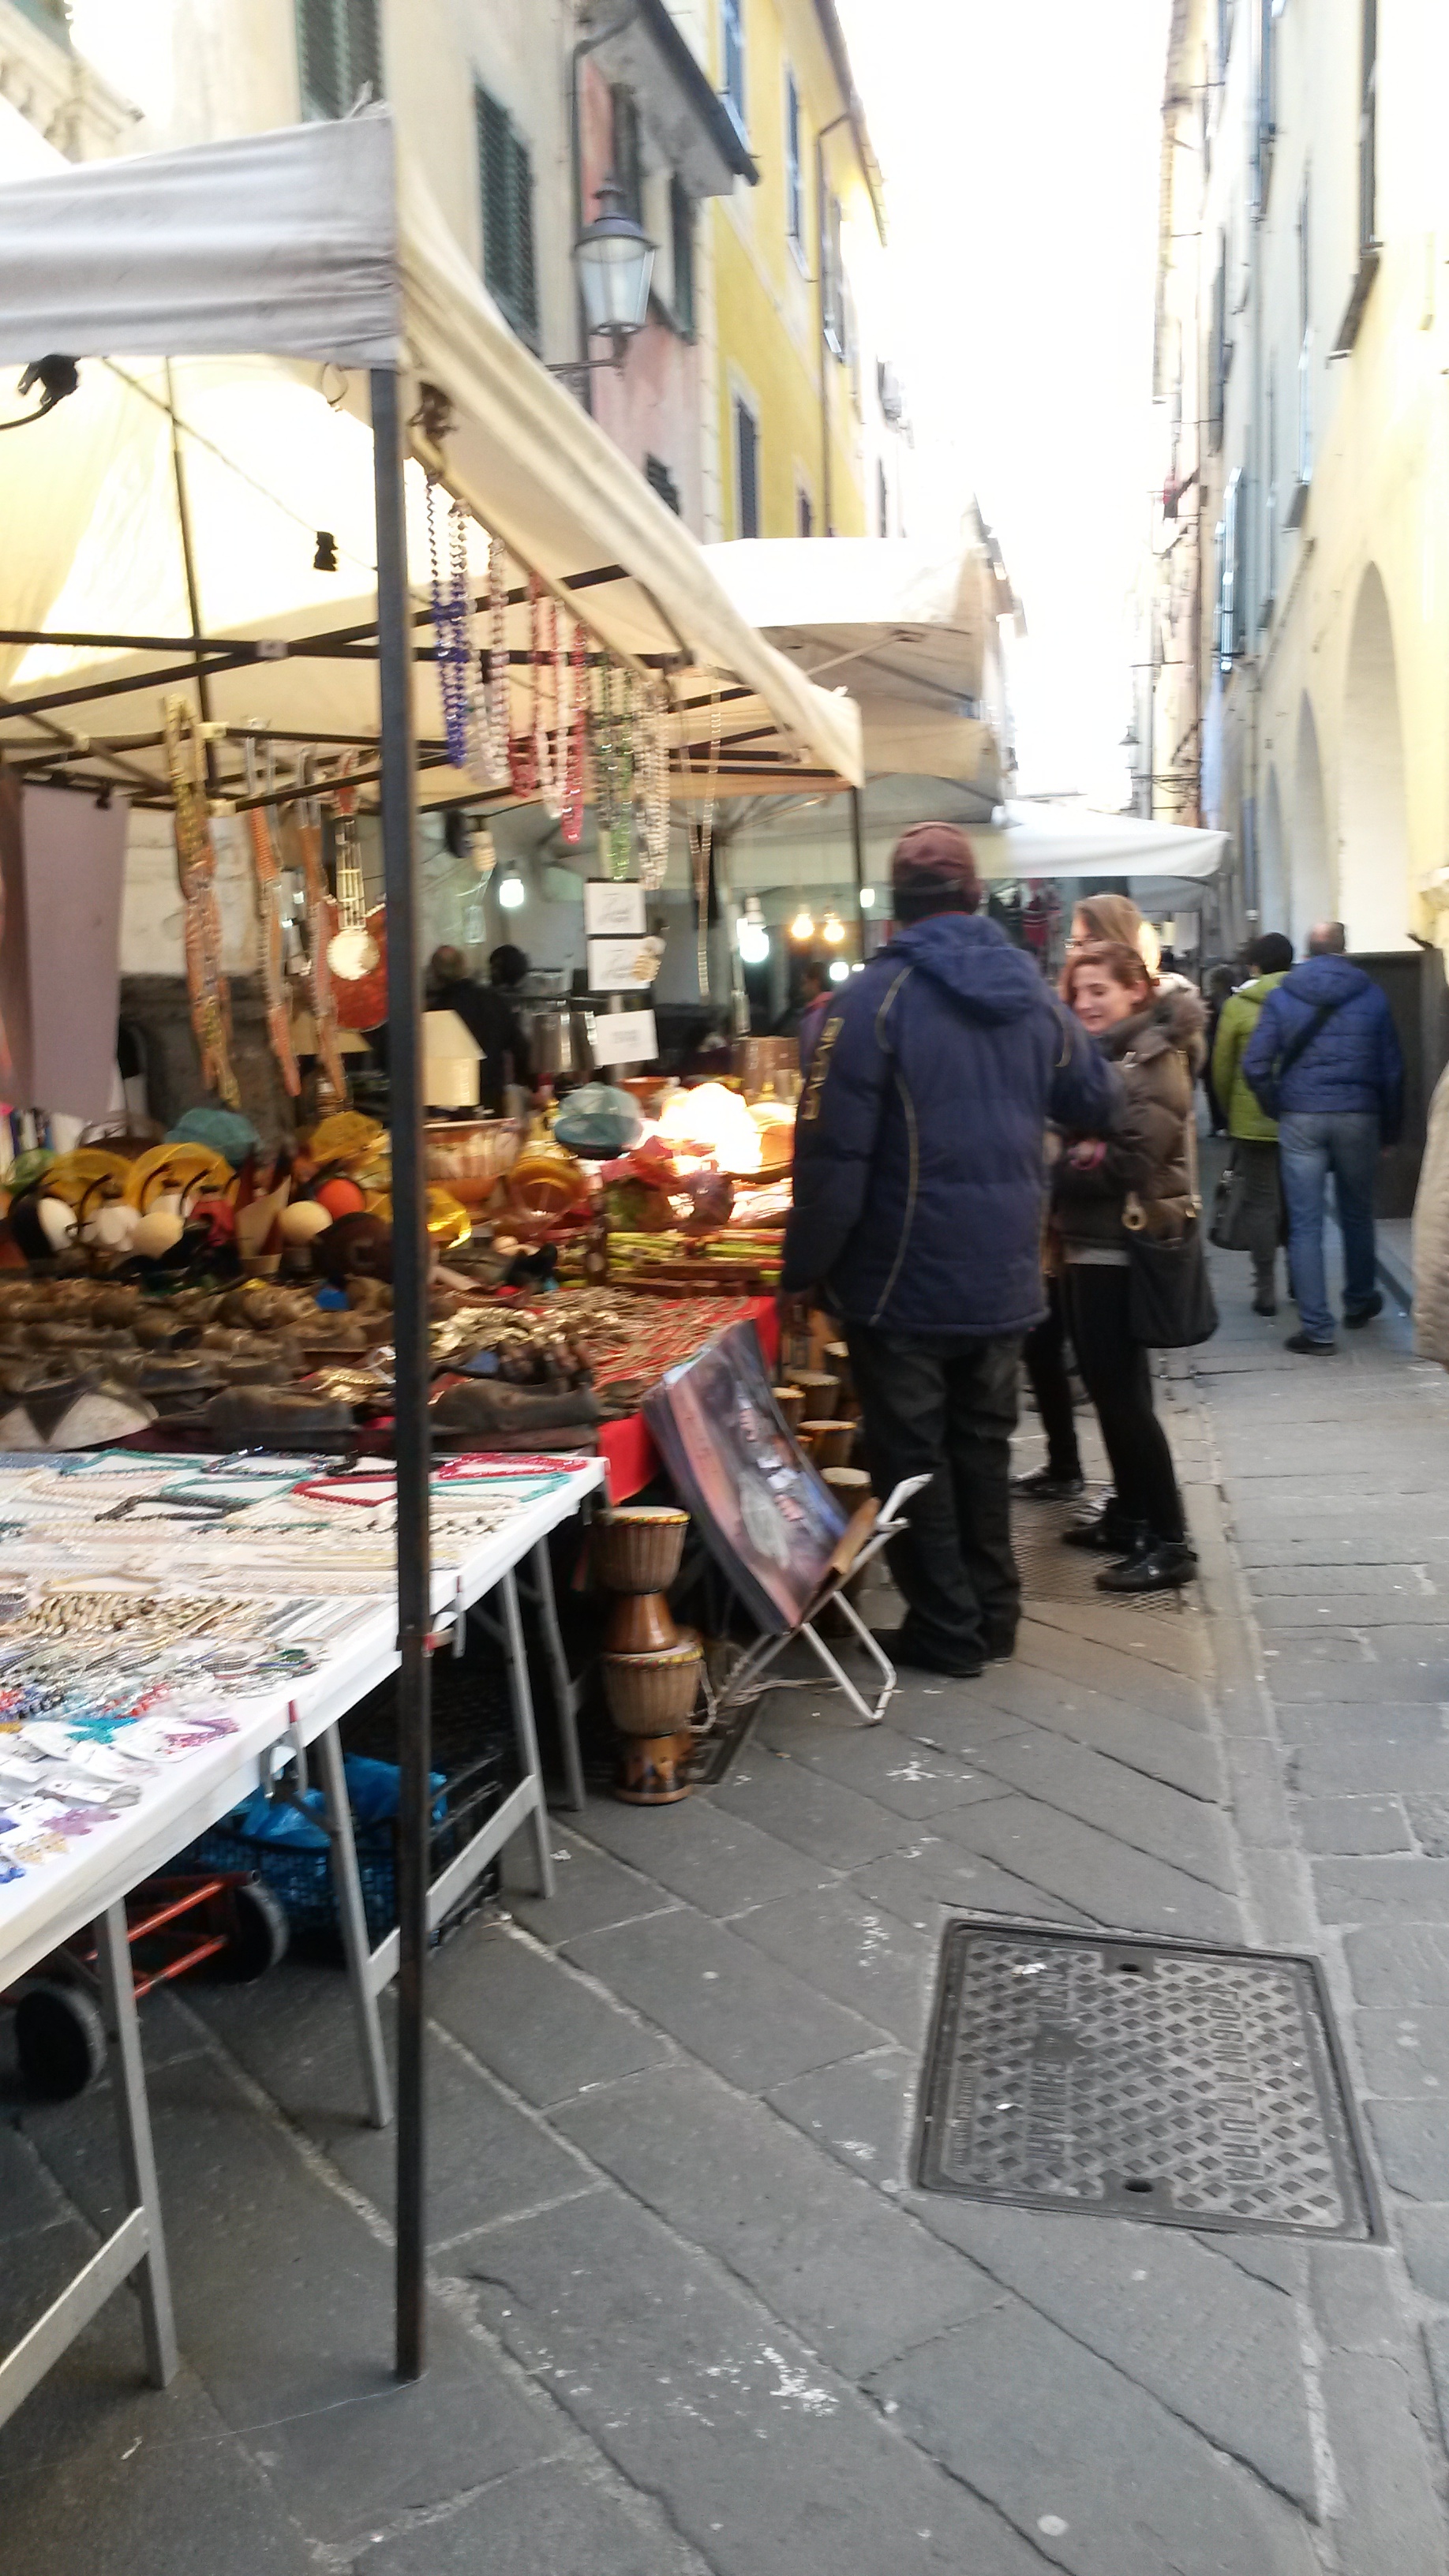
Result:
pixel 691 2313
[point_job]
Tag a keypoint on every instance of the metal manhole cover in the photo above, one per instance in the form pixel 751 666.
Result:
pixel 1197 2087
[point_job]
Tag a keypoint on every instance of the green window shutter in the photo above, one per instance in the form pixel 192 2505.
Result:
pixel 505 176
pixel 628 152
pixel 321 59
pixel 681 226
pixel 340 47
pixel 525 268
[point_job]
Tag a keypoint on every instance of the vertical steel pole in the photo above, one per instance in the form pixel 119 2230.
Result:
pixel 857 851
pixel 410 1343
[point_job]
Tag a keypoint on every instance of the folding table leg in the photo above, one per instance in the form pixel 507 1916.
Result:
pixel 524 1727
pixel 347 1886
pixel 133 2121
pixel 565 1688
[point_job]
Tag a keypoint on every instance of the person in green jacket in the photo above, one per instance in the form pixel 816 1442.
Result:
pixel 1255 1137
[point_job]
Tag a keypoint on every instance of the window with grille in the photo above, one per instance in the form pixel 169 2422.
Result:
pixel 660 480
pixel 505 177
pixel 339 46
pixel 681 238
pixel 732 49
pixel 794 173
pixel 747 470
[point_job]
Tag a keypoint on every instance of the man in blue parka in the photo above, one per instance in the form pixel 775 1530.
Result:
pixel 1325 1061
pixel 917 1220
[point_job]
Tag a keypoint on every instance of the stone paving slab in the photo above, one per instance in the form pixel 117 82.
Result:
pixel 860 1952
pixel 720 1999
pixel 1149 1814
pixel 1085 1866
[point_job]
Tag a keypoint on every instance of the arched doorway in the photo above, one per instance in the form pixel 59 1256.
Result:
pixel 1310 878
pixel 1373 817
pixel 1272 862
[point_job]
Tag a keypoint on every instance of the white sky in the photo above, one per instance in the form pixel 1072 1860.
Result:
pixel 1019 140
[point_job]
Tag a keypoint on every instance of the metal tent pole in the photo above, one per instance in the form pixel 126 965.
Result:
pixel 410 1342
pixel 857 852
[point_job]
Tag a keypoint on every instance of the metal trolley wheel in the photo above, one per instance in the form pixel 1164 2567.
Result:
pixel 60 2039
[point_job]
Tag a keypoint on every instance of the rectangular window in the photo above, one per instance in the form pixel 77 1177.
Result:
pixel 339 46
pixel 505 174
pixel 1218 349
pixel 747 470
pixel 628 157
pixel 660 480
pixel 1305 342
pixel 794 175
pixel 1368 175
pixel 804 513
pixel 1230 576
pixel 834 282
pixel 681 236
pixel 882 500
pixel 732 48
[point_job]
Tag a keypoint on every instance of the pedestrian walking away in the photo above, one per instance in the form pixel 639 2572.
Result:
pixel 917 1220
pixel 1141 1173
pixel 1254 1212
pixel 1324 1060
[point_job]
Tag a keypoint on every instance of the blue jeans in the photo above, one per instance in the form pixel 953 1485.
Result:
pixel 1310 1145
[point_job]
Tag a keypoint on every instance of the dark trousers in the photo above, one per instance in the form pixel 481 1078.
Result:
pixel 1044 1352
pixel 1118 1378
pixel 1261 1221
pixel 946 1409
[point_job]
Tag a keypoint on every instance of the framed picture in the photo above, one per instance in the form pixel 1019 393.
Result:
pixel 767 1518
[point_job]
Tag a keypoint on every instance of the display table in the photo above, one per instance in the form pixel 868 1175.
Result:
pixel 235 1608
pixel 627 1447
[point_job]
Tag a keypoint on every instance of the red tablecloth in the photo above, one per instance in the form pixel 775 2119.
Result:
pixel 627 1448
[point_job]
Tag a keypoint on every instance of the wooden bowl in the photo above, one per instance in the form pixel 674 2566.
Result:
pixel 850 1485
pixel 653 1694
pixel 822 1393
pixel 791 1401
pixel 829 1443
pixel 638 1550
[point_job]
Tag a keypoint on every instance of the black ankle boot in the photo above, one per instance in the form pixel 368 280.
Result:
pixel 1108 1533
pixel 1155 1565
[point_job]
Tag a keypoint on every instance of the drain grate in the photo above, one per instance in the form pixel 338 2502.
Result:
pixel 1193 2086
pixel 1051 1572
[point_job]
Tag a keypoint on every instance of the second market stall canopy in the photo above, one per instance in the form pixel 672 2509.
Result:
pixel 318 246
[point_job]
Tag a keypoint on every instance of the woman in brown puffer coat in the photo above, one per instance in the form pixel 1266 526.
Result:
pixel 1142 1171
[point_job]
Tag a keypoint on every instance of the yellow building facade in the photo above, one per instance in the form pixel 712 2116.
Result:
pixel 793 438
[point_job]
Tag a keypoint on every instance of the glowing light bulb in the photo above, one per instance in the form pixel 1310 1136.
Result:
pixel 838 970
pixel 832 929
pixel 803 925
pixel 754 942
pixel 867 898
pixel 512 893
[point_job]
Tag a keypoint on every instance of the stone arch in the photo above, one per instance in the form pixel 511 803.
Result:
pixel 1373 812
pixel 1310 875
pixel 1272 862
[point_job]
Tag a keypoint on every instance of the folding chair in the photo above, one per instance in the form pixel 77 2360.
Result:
pixel 867 1532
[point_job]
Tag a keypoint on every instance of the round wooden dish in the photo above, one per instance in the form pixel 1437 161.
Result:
pixel 829 1443
pixel 822 1393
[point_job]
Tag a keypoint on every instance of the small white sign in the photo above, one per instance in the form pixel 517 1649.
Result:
pixel 624 1037
pixel 612 910
pixel 623 965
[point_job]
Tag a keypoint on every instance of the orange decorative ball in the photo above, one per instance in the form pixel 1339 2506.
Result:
pixel 341 1197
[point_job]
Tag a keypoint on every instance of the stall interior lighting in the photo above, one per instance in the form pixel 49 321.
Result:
pixel 832 929
pixel 803 925
pixel 867 898
pixel 754 943
pixel 512 893
pixel 838 970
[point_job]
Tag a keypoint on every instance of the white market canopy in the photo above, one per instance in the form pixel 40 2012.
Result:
pixel 1028 840
pixel 908 629
pixel 275 270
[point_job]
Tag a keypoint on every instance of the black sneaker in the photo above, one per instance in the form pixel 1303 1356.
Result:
pixel 999 1645
pixel 1109 1533
pixel 1304 1347
pixel 901 1648
pixel 1362 1315
pixel 1044 1485
pixel 1158 1565
pixel 1265 1303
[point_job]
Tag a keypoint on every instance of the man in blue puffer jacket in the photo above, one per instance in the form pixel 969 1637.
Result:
pixel 1324 1060
pixel 917 1220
